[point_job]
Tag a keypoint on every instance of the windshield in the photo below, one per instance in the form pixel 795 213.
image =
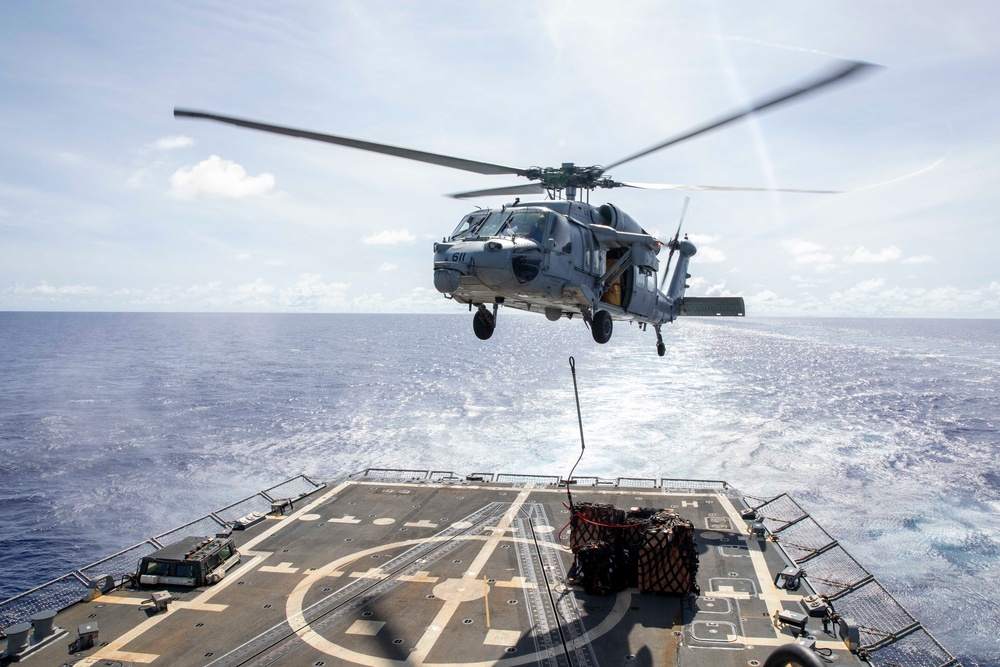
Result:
pixel 528 224
pixel 494 223
pixel 468 225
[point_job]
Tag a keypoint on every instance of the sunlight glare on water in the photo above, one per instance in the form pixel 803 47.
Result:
pixel 114 427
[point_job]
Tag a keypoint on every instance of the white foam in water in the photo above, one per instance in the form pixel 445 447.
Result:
pixel 116 427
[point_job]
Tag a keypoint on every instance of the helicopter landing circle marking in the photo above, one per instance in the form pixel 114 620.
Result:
pixel 309 517
pixel 295 601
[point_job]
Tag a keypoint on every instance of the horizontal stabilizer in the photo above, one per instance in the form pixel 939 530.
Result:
pixel 713 306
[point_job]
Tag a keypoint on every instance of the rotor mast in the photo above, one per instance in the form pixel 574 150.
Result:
pixel 570 188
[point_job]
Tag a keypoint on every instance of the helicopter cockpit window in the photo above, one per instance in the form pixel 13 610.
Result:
pixel 468 224
pixel 494 223
pixel 528 225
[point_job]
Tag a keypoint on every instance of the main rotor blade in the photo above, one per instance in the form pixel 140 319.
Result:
pixel 674 186
pixel 409 154
pixel 840 73
pixel 528 189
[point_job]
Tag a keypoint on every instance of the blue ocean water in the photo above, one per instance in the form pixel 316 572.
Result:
pixel 116 427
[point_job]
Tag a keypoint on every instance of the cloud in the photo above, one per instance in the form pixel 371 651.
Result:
pixel 806 252
pixel 243 256
pixel 919 259
pixel 218 178
pixel 386 267
pixel 275 262
pixel 389 237
pixel 170 143
pixel 311 292
pixel 719 289
pixel 710 255
pixel 865 256
pixel 870 285
pixel 44 289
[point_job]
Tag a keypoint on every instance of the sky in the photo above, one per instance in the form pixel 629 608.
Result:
pixel 109 203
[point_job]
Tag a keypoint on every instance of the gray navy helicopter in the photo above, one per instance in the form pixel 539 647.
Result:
pixel 561 256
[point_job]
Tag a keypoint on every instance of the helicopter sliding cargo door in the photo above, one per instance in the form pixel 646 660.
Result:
pixel 619 293
pixel 643 295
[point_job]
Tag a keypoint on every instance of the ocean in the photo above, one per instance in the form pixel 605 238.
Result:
pixel 117 427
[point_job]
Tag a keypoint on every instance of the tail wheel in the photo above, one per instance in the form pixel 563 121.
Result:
pixel 602 327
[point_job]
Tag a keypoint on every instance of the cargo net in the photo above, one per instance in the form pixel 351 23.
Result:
pixel 651 549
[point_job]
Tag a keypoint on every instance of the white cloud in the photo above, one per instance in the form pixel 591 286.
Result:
pixel 919 259
pixel 170 143
pixel 243 256
pixel 310 292
pixel 275 262
pixel 387 266
pixel 870 285
pixel 44 289
pixel 219 178
pixel 865 256
pixel 719 289
pixel 806 252
pixel 389 237
pixel 710 255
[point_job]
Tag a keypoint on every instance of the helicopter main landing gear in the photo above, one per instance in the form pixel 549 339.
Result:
pixel 661 349
pixel 484 322
pixel 602 326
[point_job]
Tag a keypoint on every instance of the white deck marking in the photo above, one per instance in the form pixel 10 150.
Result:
pixel 423 523
pixel 373 573
pixel 496 637
pixel 347 518
pixel 369 628
pixel 516 582
pixel 284 568
pixel 113 650
pixel 768 593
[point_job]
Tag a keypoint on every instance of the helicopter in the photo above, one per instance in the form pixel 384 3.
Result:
pixel 564 257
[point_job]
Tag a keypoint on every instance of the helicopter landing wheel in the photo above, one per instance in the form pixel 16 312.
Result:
pixel 603 326
pixel 483 323
pixel 661 349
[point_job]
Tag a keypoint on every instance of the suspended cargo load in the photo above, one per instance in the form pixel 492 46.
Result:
pixel 648 548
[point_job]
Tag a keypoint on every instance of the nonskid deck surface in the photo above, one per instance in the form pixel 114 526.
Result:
pixel 383 572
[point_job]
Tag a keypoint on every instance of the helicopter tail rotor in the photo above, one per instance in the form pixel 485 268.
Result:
pixel 673 243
